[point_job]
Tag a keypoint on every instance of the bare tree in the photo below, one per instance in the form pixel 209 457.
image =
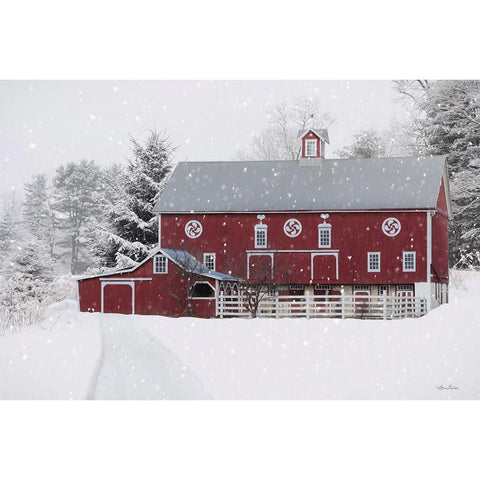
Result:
pixel 189 271
pixel 278 141
pixel 260 281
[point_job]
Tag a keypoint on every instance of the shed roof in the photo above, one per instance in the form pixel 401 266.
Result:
pixel 336 184
pixel 181 258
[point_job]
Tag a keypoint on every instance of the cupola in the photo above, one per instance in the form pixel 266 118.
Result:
pixel 313 143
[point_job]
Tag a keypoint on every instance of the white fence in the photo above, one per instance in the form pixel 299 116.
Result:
pixel 327 306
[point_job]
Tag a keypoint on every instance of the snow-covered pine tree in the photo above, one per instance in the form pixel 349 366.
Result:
pixel 9 227
pixel 132 227
pixel 37 213
pixel 366 144
pixel 105 243
pixel 31 260
pixel 6 234
pixel 77 197
pixel 445 120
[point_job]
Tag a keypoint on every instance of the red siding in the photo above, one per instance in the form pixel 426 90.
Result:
pixel 439 248
pixel 311 136
pixel 152 297
pixel 442 200
pixel 353 235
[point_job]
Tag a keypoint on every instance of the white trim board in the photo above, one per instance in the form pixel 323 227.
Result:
pixel 102 294
pixel 313 255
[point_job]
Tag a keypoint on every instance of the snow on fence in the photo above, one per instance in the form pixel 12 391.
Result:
pixel 328 306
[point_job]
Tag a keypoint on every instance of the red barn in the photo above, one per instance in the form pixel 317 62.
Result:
pixel 355 228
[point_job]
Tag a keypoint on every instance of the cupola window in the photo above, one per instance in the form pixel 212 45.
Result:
pixel 311 148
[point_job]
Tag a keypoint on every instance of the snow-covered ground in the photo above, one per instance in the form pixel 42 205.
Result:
pixel 76 355
pixel 57 359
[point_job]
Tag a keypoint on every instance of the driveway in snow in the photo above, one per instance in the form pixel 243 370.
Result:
pixel 136 366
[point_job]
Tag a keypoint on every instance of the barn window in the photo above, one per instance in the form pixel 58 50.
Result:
pixel 324 232
pixel 383 289
pixel 160 264
pixel 203 290
pixel 310 148
pixel 209 261
pixel 409 261
pixel 261 236
pixel 373 259
pixel 324 235
pixel 361 288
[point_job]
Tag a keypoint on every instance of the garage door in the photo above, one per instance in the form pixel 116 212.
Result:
pixel 117 298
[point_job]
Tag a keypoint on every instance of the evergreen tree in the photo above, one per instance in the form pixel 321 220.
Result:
pixel 105 243
pixel 31 260
pixel 445 120
pixel 6 236
pixel 37 214
pixel 366 144
pixel 132 228
pixel 77 197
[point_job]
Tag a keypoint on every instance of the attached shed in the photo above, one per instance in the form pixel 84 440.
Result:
pixel 168 282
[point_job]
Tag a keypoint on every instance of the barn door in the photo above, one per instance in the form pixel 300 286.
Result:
pixel 117 297
pixel 324 268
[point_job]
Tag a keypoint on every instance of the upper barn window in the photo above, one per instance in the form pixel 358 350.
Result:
pixel 409 262
pixel 310 148
pixel 373 260
pixel 160 264
pixel 324 232
pixel 209 261
pixel 261 233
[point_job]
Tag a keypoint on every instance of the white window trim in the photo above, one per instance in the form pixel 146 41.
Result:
pixel 214 260
pixel 310 141
pixel 261 228
pixel 371 255
pixel 414 269
pixel 155 264
pixel 327 228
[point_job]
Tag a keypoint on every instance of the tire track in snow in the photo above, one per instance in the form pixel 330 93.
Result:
pixel 136 366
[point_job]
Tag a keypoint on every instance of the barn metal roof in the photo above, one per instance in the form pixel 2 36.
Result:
pixel 337 184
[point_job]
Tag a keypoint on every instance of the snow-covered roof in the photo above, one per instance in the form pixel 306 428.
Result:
pixel 181 258
pixel 321 133
pixel 191 264
pixel 336 184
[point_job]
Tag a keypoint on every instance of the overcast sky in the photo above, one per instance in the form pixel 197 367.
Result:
pixel 46 123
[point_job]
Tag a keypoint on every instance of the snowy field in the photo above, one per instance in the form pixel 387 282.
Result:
pixel 77 355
